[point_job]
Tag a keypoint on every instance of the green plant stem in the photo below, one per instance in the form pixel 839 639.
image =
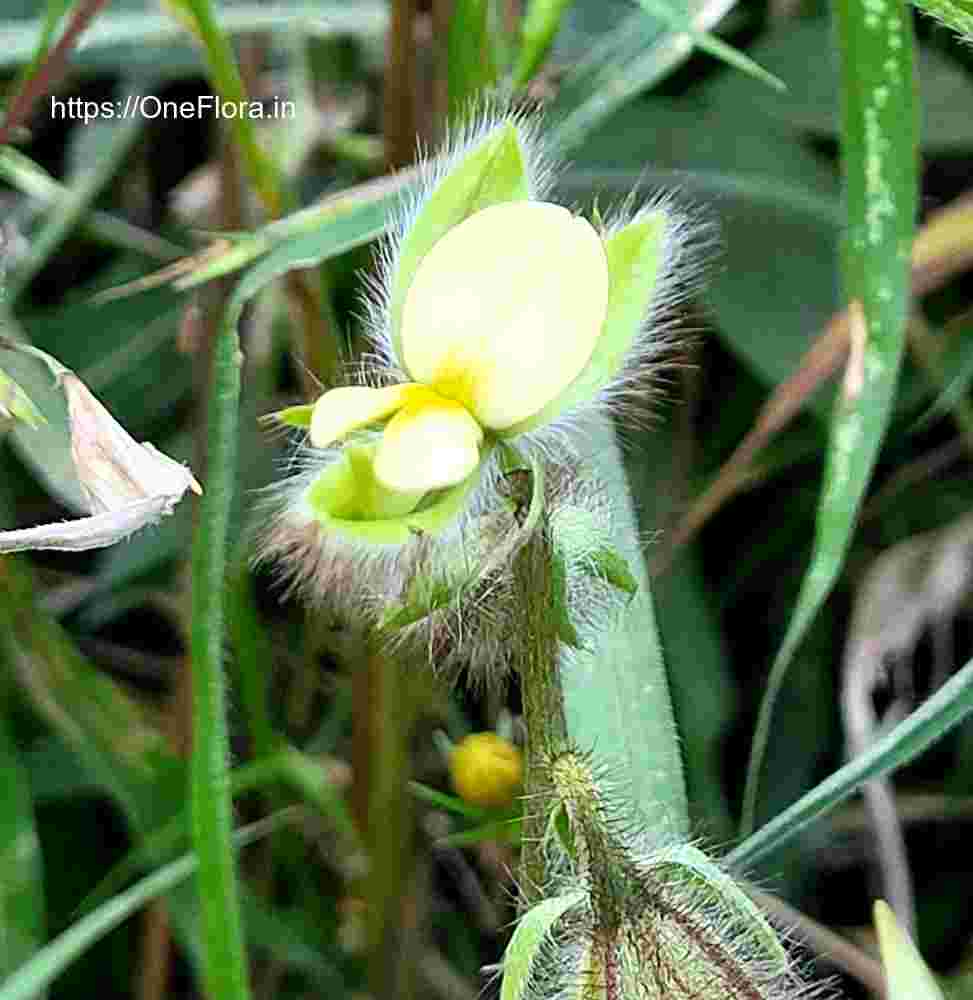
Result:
pixel 224 963
pixel 385 703
pixel 543 700
pixel 225 76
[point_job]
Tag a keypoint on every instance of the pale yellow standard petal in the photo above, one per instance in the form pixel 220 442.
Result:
pixel 340 411
pixel 505 310
pixel 428 446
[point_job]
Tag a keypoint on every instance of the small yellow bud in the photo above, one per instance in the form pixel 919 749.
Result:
pixel 487 770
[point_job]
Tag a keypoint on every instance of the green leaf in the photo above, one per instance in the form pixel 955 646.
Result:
pixel 932 720
pixel 678 20
pixel 540 23
pixel 450 803
pixel 470 65
pixel 533 931
pixel 506 831
pixel 760 214
pixel 880 144
pixel 811 101
pixel 616 693
pixel 702 686
pixel 907 975
pixel 21 882
pixel 634 259
pixel 304 239
pixel 493 173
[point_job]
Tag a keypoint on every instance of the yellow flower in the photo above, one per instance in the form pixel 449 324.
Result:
pixel 503 314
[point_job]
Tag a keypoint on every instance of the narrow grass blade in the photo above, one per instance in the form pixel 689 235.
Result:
pixel 41 970
pixel 540 24
pixel 31 179
pixel 116 28
pixel 227 81
pixel 309 236
pixel 932 720
pixel 639 53
pixel 680 21
pixel 21 883
pixel 879 144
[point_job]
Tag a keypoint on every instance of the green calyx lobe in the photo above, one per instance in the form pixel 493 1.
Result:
pixel 346 498
pixel 293 416
pixel 634 256
pixel 493 173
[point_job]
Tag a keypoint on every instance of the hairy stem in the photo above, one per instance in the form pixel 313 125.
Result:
pixel 542 697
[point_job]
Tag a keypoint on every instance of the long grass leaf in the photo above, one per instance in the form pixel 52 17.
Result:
pixel 879 146
pixel 932 720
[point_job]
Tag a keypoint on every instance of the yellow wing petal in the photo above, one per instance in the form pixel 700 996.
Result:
pixel 340 411
pixel 428 447
pixel 505 310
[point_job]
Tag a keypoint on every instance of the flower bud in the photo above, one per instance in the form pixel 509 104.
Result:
pixel 487 770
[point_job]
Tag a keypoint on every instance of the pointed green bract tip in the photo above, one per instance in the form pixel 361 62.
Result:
pixel 634 261
pixel 493 172
pixel 293 416
pixel 15 404
pixel 347 499
pixel 907 975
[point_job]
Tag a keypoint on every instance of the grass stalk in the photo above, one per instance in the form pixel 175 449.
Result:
pixel 225 972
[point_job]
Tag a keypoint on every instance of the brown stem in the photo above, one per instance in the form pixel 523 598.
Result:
pixel 399 111
pixel 50 70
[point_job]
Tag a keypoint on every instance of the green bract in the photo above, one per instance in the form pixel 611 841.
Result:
pixel 493 173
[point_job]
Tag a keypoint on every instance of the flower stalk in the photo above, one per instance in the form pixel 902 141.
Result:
pixel 542 698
